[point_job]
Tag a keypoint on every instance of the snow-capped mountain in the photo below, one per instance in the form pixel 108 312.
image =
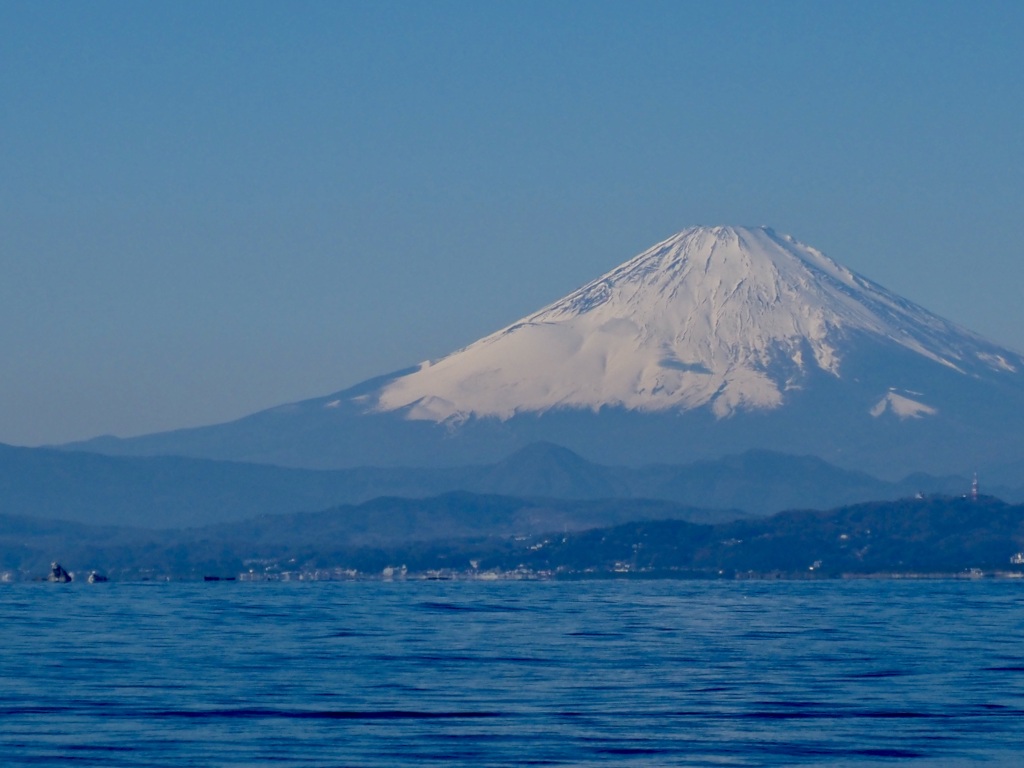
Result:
pixel 715 341
pixel 725 317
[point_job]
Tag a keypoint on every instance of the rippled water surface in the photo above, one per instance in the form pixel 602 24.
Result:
pixel 555 673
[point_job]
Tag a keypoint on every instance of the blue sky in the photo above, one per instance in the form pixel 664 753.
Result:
pixel 212 208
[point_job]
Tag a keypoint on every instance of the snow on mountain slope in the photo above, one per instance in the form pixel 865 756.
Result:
pixel 725 317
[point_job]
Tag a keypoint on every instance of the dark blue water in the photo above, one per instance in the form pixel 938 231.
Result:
pixel 583 673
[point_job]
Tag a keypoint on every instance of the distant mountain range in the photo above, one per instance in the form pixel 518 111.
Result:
pixel 723 374
pixel 470 535
pixel 174 492
pixel 311 539
pixel 716 341
pixel 938 535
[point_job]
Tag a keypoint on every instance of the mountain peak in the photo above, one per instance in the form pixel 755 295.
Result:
pixel 714 341
pixel 727 317
pixel 690 267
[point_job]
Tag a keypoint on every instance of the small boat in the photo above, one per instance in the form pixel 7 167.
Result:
pixel 58 574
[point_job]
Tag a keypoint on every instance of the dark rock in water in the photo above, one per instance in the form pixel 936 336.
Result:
pixel 96 577
pixel 58 574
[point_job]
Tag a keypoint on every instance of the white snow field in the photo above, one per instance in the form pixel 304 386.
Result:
pixel 731 318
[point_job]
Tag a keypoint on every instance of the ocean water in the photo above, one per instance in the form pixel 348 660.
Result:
pixel 513 673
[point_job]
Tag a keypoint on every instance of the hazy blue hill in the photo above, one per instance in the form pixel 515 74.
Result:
pixel 173 492
pixel 452 516
pixel 30 544
pixel 762 481
pixel 546 469
pixel 929 535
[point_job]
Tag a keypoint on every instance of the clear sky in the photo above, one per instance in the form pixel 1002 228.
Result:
pixel 211 208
